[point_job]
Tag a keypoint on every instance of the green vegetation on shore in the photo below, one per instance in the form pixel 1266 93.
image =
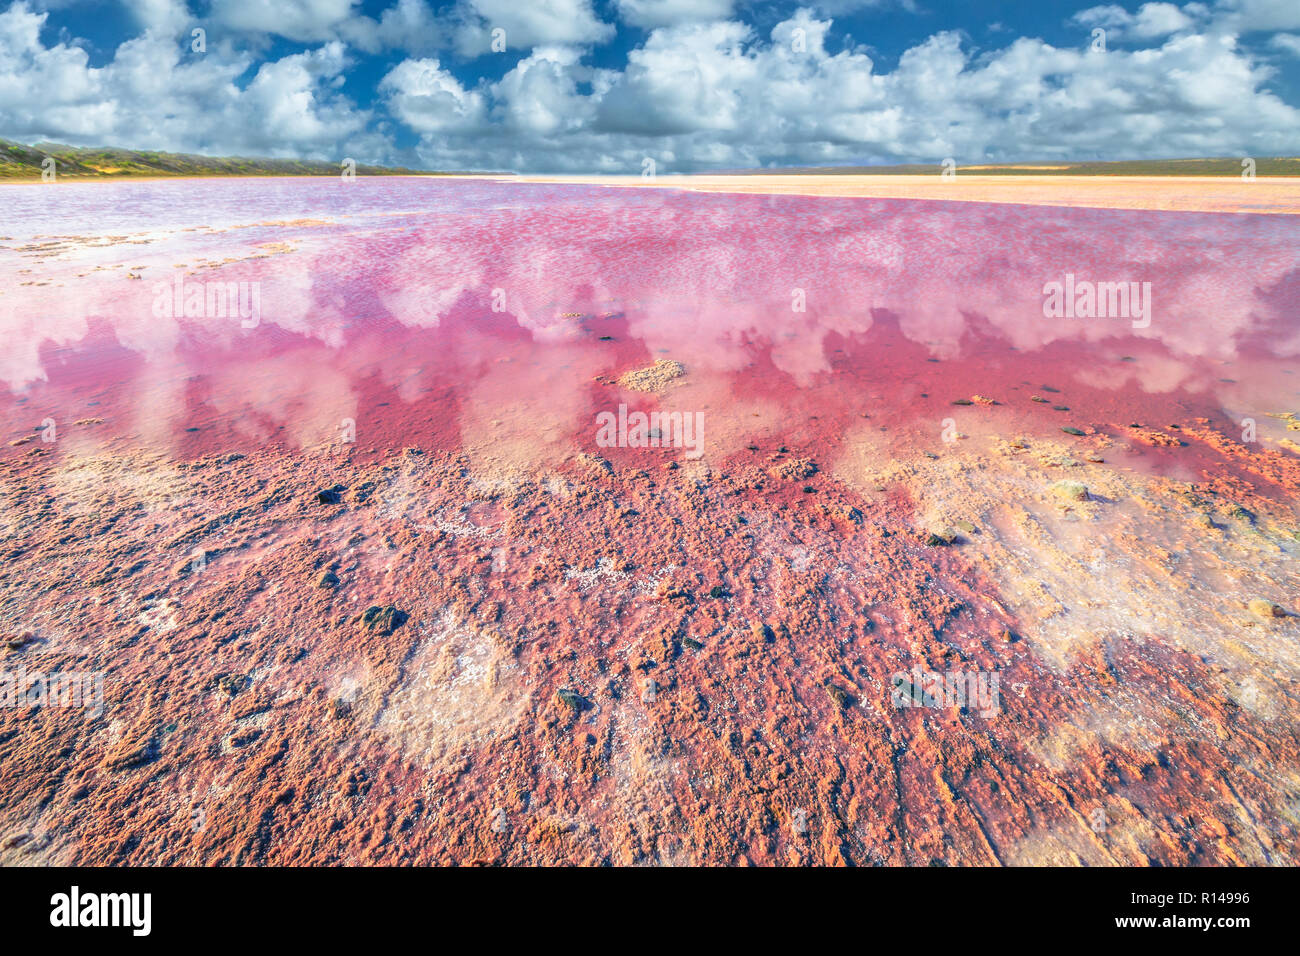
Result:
pixel 21 162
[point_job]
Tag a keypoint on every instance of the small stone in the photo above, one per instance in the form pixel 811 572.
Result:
pixel 962 401
pixel 1264 608
pixel 1070 490
pixel 1071 430
pixel 964 525
pixel 329 496
pixel 717 591
pixel 19 641
pixel 655 378
pixel 232 684
pixel 838 694
pixel 572 698
pixel 327 579
pixel 692 643
pixel 941 537
pixel 382 620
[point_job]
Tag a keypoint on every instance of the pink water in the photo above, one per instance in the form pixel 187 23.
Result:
pixel 476 314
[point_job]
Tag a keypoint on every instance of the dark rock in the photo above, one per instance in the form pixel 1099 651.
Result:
pixel 941 537
pixel 231 684
pixel 382 620
pixel 572 698
pixel 19 641
pixel 838 694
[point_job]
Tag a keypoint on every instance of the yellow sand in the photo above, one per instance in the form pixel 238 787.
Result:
pixel 1183 193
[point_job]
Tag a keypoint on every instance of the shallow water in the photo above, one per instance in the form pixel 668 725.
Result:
pixel 477 314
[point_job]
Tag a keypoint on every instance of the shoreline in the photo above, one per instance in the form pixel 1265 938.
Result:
pixel 1217 194
pixel 1274 195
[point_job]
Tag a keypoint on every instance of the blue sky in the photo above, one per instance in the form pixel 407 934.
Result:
pixel 603 85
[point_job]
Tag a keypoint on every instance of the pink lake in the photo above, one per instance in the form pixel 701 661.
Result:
pixel 480 314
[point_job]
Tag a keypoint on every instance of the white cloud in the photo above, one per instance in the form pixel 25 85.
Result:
pixel 1152 20
pixel 527 25
pixel 1246 16
pixel 715 95
pixel 429 99
pixel 684 79
pixel 650 14
pixel 692 96
pixel 540 95
pixel 409 25
pixel 306 21
pixel 1288 42
pixel 157 94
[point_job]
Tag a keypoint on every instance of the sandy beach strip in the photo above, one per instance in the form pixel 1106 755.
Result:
pixel 1275 195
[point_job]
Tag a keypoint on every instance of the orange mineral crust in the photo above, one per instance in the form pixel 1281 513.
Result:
pixel 639 665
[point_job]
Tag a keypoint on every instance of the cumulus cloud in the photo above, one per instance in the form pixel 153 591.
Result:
pixel 306 21
pixel 528 25
pixel 691 95
pixel 1151 20
pixel 709 95
pixel 650 14
pixel 409 25
pixel 156 93
pixel 429 100
pixel 1246 16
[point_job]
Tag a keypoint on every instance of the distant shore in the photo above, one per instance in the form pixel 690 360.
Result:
pixel 1274 195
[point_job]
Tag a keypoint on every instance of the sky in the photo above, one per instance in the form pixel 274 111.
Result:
pixel 602 86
